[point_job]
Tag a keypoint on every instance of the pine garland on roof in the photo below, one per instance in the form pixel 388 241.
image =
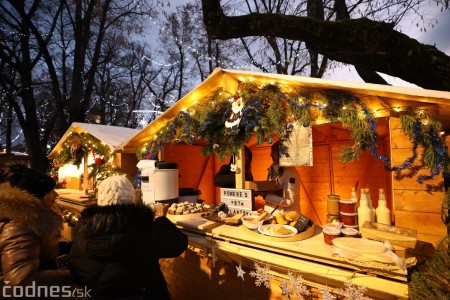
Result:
pixel 268 111
pixel 77 146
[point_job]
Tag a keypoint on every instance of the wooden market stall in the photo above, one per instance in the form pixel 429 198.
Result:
pixel 413 194
pixel 84 147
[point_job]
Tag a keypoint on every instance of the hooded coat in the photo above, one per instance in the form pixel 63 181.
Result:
pixel 117 248
pixel 28 240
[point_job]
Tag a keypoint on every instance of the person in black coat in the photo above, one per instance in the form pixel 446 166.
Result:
pixel 117 246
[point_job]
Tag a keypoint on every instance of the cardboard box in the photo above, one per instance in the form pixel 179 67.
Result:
pixel 261 185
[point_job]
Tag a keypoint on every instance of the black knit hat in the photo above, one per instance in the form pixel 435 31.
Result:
pixel 34 182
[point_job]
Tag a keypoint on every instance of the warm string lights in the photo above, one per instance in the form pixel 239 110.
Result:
pixel 267 110
pixel 81 146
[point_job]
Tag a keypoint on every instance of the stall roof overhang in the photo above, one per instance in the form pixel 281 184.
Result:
pixel 113 136
pixel 229 81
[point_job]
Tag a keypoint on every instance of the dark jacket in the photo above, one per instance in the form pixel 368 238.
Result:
pixel 117 248
pixel 28 240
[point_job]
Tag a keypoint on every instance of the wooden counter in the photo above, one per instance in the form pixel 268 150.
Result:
pixel 218 250
pixel 209 267
pixel 74 201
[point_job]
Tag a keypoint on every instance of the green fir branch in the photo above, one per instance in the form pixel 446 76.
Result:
pixel 269 110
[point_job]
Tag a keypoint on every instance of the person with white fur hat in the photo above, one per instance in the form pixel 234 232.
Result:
pixel 118 244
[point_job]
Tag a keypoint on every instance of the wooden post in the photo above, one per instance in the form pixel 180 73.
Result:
pixel 85 173
pixel 240 168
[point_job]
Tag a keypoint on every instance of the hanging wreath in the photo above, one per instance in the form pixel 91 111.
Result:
pixel 77 146
pixel 72 151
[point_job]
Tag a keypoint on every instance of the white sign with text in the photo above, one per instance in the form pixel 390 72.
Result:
pixel 237 201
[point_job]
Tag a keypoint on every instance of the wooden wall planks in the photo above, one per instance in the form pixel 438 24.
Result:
pixel 417 206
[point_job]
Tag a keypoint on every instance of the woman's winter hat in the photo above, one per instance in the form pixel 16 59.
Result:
pixel 116 189
pixel 19 175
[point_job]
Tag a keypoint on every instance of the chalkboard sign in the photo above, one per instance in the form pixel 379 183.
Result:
pixel 302 223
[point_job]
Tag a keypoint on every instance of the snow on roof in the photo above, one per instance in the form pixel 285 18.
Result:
pixel 113 136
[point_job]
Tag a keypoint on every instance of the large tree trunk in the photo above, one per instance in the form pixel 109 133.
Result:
pixel 375 46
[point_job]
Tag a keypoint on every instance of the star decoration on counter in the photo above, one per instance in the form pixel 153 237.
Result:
pixel 240 272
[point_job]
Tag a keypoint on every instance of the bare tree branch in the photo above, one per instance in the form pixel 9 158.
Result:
pixel 372 45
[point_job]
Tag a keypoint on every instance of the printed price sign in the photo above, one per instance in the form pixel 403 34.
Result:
pixel 237 201
pixel 298 148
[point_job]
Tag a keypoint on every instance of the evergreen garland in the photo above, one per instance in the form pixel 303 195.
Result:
pixel 72 152
pixel 77 146
pixel 433 280
pixel 268 111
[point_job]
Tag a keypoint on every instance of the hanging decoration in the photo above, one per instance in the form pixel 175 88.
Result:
pixel 292 285
pixel 233 166
pixel 79 146
pixel 266 111
pixel 326 293
pixel 234 116
pixel 353 292
pixel 240 272
pixel 72 151
pixel 75 146
pixel 262 275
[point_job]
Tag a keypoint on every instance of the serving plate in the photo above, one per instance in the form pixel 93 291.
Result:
pixel 269 229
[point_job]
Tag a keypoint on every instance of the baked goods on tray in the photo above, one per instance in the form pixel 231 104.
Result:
pixel 185 208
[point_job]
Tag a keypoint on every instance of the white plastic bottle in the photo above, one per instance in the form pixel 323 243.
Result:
pixel 364 211
pixel 383 212
pixel 369 201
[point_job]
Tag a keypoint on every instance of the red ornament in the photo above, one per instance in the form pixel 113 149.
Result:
pixel 98 161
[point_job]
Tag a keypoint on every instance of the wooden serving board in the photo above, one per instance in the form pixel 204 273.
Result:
pixel 215 218
pixel 80 199
pixel 192 221
pixel 298 237
pixel 362 246
pixel 402 237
